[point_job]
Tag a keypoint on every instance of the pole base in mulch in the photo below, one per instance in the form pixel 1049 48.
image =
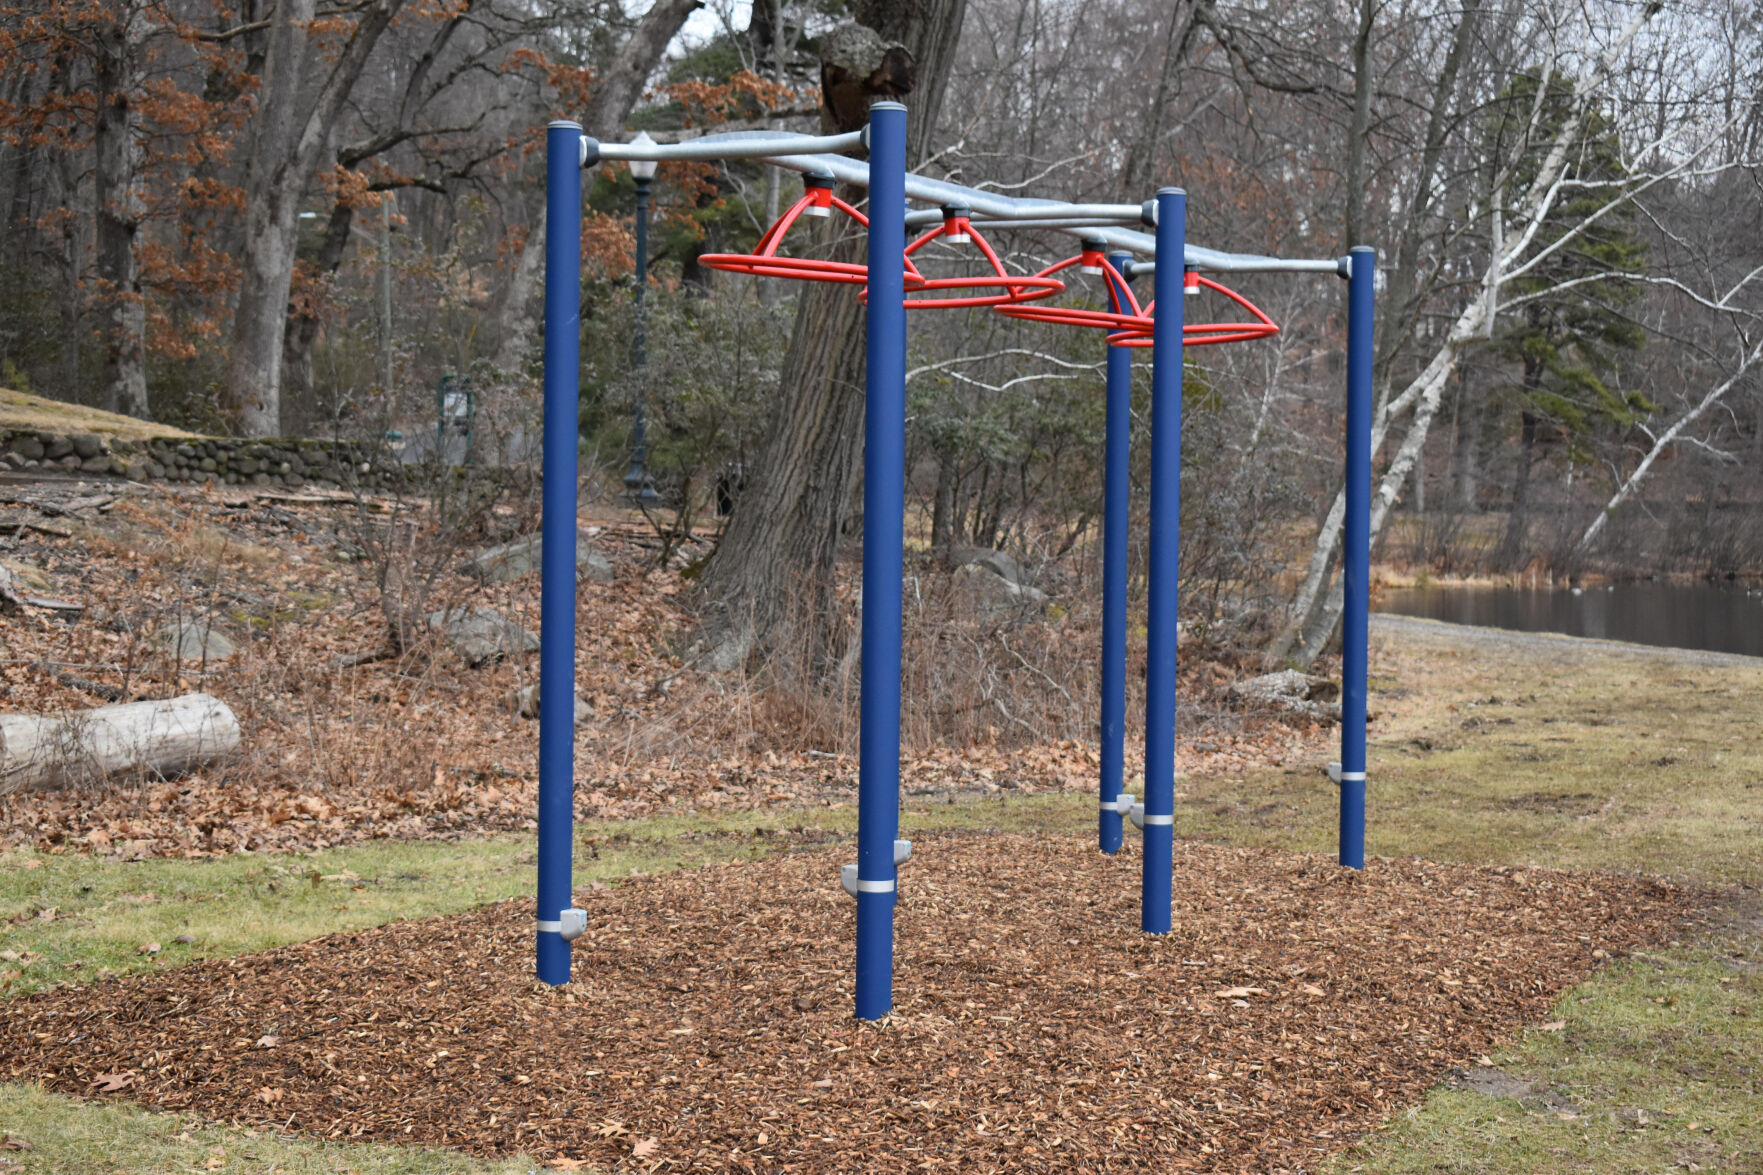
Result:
pixel 1293 1006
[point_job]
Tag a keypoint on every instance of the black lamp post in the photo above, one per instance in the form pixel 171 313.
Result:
pixel 636 479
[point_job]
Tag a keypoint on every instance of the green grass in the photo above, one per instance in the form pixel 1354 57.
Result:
pixel 64 1136
pixel 1566 757
pixel 1561 755
pixel 1657 1069
pixel 77 917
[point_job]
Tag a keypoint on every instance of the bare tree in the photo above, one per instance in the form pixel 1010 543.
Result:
pixel 292 124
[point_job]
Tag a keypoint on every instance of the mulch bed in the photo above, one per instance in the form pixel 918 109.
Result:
pixel 1294 1006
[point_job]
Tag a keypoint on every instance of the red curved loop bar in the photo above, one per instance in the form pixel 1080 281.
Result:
pixel 1204 334
pixel 1126 314
pixel 764 261
pixel 1013 289
pixel 1130 326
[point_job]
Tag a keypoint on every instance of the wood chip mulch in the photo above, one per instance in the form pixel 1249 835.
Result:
pixel 1294 1006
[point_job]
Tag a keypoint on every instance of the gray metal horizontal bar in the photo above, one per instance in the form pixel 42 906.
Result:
pixel 925 218
pixel 737 145
pixel 985 207
pixel 1247 263
pixel 1099 213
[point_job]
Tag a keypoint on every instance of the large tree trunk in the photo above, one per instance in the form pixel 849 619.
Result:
pixel 162 738
pixel 285 149
pixel 118 196
pixel 783 540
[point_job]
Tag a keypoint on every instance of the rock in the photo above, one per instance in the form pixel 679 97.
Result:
pixel 57 447
pixel 87 444
pixel 95 465
pixel 993 594
pixel 525 702
pixel 997 562
pixel 482 635
pixel 196 640
pixel 30 448
pixel 70 461
pixel 523 555
pixel 1294 691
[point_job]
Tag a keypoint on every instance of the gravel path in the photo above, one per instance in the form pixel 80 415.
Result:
pixel 1413 628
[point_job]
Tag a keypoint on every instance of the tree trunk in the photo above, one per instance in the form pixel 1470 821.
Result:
pixel 118 197
pixel 942 516
pixel 783 539
pixel 164 738
pixel 612 101
pixel 1140 171
pixel 1363 83
pixel 1468 443
pixel 298 379
pixel 284 152
pixel 1518 521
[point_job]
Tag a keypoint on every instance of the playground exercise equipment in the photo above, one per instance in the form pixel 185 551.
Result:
pixel 888 275
pixel 819 200
pixel 1131 325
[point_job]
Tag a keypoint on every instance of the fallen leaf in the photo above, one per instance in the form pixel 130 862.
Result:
pixel 111 1082
pixel 1312 989
pixel 9 1143
pixel 1238 993
pixel 1555 1026
pixel 147 948
pixel 268 1041
pixel 269 1095
pixel 646 1148
pixel 31 863
pixel 566 1164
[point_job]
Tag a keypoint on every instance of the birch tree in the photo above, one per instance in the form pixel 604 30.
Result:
pixel 1514 212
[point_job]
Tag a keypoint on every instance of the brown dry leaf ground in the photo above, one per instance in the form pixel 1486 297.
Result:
pixel 422 746
pixel 1036 1028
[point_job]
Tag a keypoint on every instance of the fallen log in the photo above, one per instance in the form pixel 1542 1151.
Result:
pixel 162 738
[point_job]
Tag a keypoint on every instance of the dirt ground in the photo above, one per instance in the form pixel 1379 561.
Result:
pixel 342 744
pixel 1293 1007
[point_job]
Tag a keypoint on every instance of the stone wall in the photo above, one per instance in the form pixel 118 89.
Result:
pixel 292 463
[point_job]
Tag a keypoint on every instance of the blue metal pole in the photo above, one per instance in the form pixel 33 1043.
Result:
pixel 884 517
pixel 1165 566
pixel 1356 564
pixel 1118 431
pixel 563 267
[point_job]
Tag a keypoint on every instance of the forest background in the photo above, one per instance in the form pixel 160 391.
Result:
pixel 298 217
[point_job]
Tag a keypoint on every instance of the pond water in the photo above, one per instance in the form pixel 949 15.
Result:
pixel 1726 618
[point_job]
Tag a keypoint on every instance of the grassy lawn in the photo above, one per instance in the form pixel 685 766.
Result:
pixel 1542 754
